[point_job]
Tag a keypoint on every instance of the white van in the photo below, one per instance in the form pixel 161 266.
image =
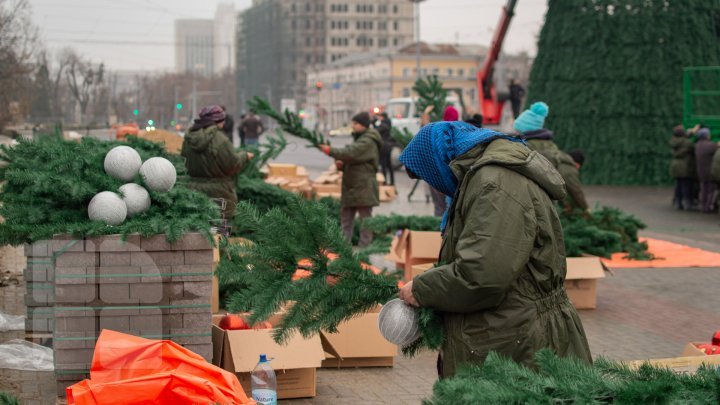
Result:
pixel 403 114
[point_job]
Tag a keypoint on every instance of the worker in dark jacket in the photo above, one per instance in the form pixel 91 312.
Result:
pixel 251 128
pixel 704 152
pixel 359 164
pixel 569 168
pixel 500 282
pixel 383 125
pixel 682 168
pixel 211 160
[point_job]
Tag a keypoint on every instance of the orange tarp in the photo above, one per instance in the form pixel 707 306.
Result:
pixel 667 255
pixel 128 369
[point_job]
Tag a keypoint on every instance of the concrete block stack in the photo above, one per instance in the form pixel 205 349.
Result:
pixel 40 295
pixel 145 287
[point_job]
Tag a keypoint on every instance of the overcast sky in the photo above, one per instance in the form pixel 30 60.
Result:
pixel 138 34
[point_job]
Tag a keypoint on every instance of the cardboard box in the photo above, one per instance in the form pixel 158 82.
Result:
pixel 691 349
pixel 415 247
pixel 419 269
pixel 326 188
pixel 282 170
pixel 684 364
pixel 294 363
pixel 358 343
pixel 581 280
pixel 387 193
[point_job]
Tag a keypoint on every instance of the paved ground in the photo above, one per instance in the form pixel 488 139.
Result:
pixel 642 313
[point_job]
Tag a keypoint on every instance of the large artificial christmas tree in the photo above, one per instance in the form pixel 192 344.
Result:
pixel 612 73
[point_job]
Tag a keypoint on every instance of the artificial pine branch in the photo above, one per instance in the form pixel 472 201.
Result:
pixel 288 121
pixel 431 93
pixel 261 277
pixel 559 380
pixel 48 184
pixel 7 399
pixel 403 137
pixel 264 152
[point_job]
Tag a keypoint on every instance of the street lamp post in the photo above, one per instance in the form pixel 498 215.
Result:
pixel 416 6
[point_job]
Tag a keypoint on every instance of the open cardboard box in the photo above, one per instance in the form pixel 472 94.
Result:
pixel 581 280
pixel 358 343
pixel 691 349
pixel 414 247
pixel 295 363
pixel 419 269
pixel 387 193
pixel 684 364
pixel 282 170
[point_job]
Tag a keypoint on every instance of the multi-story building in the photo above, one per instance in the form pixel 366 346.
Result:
pixel 362 82
pixel 206 46
pixel 279 42
pixel 194 46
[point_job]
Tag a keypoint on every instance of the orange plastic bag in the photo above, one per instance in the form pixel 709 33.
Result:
pixel 128 369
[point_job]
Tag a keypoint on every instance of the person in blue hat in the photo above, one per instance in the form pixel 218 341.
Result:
pixel 500 282
pixel 531 127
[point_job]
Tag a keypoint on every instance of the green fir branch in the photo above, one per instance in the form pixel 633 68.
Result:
pixel 403 137
pixel 431 93
pixel 290 122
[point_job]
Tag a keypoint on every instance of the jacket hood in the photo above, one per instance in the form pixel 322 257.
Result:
pixel 516 157
pixel 200 139
pixel 543 134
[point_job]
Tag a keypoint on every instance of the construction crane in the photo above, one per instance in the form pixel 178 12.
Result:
pixel 491 103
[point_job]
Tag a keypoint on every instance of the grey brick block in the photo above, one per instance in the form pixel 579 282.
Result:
pixel 199 257
pixel 112 243
pixel 105 275
pixel 39 295
pixel 197 321
pixel 72 275
pixel 73 356
pixel 120 323
pixel 204 350
pixel 114 294
pixel 156 293
pixel 153 274
pixel 192 336
pixel 191 301
pixel 167 258
pixel 115 259
pixel 72 340
pixel 37 325
pixel 75 293
pixel 77 259
pixel 60 311
pixel 41 263
pixel 203 309
pixel 66 243
pixel 120 311
pixel 147 323
pixel 192 289
pixel 189 241
pixel 180 273
pixel 39 248
pixel 77 324
pixel 37 275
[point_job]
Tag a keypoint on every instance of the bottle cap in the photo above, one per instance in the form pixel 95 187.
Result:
pixel 263 358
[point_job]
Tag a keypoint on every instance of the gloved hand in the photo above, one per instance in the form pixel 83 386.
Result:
pixel 325 149
pixel 339 164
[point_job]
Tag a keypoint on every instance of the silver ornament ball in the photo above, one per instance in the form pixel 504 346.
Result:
pixel 159 174
pixel 398 323
pixel 122 162
pixel 107 207
pixel 136 198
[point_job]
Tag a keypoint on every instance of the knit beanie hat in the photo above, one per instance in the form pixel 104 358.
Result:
pixel 451 114
pixel 363 119
pixel 703 133
pixel 213 113
pixel 532 119
pixel 679 131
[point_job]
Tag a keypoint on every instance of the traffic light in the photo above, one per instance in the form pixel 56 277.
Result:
pixel 319 85
pixel 136 112
pixel 178 106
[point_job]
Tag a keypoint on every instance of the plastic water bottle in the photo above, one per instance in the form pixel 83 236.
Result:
pixel 263 383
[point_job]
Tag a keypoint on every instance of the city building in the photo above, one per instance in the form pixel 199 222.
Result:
pixel 206 46
pixel 280 42
pixel 194 46
pixel 362 82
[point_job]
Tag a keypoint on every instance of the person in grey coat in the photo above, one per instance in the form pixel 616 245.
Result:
pixel 704 152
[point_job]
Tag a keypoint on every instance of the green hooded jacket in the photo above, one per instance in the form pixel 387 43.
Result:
pixel 212 163
pixel 682 163
pixel 360 165
pixel 502 285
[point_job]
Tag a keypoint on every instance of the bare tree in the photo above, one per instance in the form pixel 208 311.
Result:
pixel 83 79
pixel 18 44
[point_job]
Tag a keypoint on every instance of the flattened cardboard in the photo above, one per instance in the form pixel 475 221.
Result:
pixel 581 280
pixel 685 364
pixel 691 349
pixel 387 193
pixel 282 170
pixel 358 343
